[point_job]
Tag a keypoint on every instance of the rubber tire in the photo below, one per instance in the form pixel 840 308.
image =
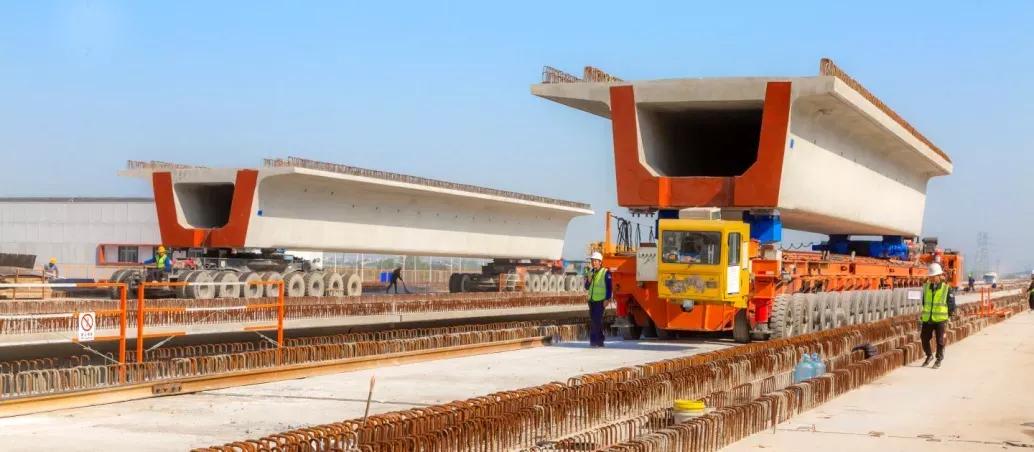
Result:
pixel 116 277
pixel 227 290
pixel 535 282
pixel 314 284
pixel 250 291
pixel 782 321
pixel 454 283
pixel 649 330
pixel 294 284
pixel 270 290
pixel 353 284
pixel 741 327
pixel 550 283
pixel 465 282
pixel 631 333
pixel 200 292
pixel 184 276
pixel 333 284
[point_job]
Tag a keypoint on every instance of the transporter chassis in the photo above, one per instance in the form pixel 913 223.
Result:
pixel 221 272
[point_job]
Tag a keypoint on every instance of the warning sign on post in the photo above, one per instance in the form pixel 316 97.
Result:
pixel 87 326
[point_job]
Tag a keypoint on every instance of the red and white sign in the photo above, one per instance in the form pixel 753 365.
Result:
pixel 87 326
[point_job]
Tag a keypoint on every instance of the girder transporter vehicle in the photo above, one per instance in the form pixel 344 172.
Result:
pixel 818 154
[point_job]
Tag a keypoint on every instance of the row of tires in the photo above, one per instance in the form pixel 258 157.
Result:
pixel 802 313
pixel 226 283
pixel 554 283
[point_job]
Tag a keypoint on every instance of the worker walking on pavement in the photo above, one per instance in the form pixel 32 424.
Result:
pixel 938 306
pixel 1030 292
pixel 396 276
pixel 598 284
pixel 50 271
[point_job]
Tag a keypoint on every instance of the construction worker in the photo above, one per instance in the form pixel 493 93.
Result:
pixel 396 276
pixel 938 306
pixel 598 284
pixel 161 260
pixel 50 271
pixel 972 282
pixel 1030 292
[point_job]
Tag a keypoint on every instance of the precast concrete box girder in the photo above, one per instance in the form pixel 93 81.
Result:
pixel 306 205
pixel 822 150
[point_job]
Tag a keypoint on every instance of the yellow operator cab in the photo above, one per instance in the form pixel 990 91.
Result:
pixel 704 261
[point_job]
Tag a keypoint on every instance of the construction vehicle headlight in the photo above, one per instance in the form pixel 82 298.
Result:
pixel 687 305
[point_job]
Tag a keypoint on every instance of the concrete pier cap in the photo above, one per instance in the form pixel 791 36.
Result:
pixel 300 204
pixel 822 150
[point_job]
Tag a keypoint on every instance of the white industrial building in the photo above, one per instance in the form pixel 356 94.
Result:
pixel 89 237
pixel 93 237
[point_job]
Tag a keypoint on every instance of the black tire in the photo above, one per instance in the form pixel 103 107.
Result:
pixel 664 334
pixel 464 283
pixel 116 277
pixel 741 327
pixel 633 332
pixel 781 322
pixel 454 286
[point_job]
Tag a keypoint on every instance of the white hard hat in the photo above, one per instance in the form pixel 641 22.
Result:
pixel 935 269
pixel 596 256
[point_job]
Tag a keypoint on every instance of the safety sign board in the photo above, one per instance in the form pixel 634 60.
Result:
pixel 87 326
pixel 915 295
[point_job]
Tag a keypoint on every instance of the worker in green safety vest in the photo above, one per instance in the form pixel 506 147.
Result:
pixel 938 306
pixel 598 283
pixel 1030 291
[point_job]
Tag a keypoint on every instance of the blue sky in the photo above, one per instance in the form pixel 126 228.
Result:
pixel 442 90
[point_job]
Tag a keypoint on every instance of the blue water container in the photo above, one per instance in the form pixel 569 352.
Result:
pixel 820 367
pixel 803 370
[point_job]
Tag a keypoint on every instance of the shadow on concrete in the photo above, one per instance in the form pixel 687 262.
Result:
pixel 638 345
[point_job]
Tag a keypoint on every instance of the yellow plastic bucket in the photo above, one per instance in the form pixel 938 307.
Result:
pixel 684 410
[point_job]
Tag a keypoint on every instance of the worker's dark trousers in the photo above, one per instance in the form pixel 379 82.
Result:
pixel 929 328
pixel 1030 301
pixel 596 322
pixel 395 284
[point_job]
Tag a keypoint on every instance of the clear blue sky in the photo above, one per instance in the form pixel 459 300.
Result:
pixel 441 90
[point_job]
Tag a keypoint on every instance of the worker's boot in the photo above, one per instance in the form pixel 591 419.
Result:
pixel 927 361
pixel 937 365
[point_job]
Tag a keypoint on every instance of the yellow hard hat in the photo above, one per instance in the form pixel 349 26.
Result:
pixel 53 260
pixel 161 249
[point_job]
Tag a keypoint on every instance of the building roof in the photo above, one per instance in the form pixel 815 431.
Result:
pixel 73 199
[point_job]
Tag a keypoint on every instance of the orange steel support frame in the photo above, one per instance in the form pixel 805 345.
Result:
pixel 122 307
pixel 142 310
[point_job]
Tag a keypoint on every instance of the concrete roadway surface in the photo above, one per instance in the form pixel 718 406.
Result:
pixel 217 417
pixel 980 399
pixel 181 422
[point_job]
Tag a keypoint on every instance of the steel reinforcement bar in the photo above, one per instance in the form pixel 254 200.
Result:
pixel 27 317
pixel 24 380
pixel 629 408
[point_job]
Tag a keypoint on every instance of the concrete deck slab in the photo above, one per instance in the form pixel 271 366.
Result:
pixel 979 400
pixel 216 417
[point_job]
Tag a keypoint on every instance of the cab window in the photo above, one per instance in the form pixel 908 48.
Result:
pixel 734 249
pixel 686 247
